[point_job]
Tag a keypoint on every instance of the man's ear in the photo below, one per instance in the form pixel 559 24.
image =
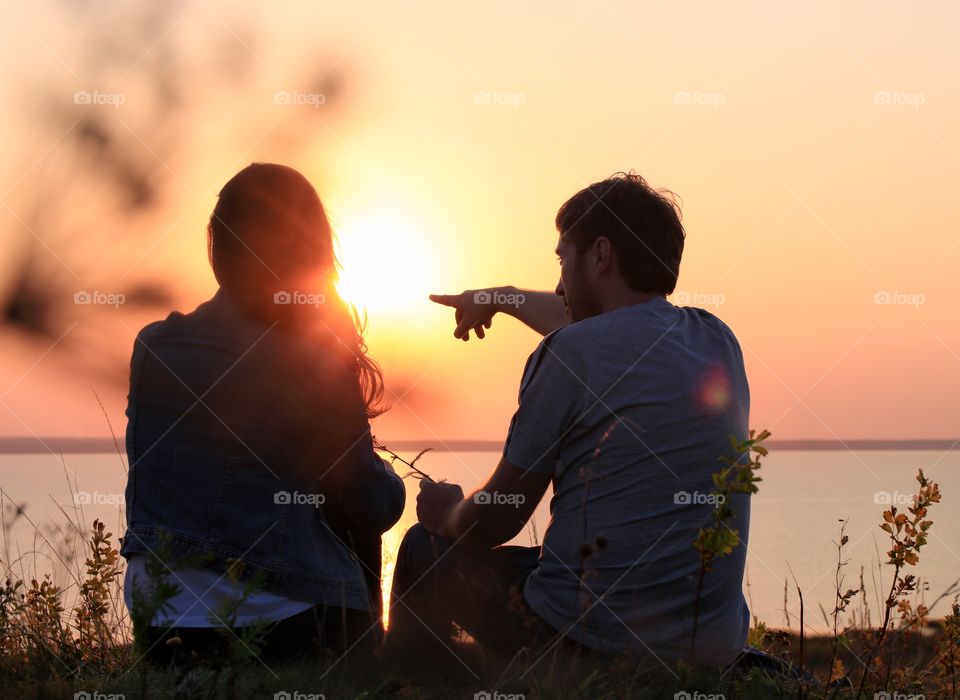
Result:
pixel 603 255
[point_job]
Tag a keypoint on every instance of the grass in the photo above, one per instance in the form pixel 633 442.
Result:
pixel 78 640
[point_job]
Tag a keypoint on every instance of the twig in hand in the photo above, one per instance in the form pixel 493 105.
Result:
pixel 394 457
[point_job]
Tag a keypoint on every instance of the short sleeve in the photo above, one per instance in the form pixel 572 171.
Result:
pixel 552 393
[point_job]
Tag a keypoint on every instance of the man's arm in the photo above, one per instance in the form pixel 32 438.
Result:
pixel 475 309
pixel 491 515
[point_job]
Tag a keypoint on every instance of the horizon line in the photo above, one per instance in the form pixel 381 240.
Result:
pixel 102 445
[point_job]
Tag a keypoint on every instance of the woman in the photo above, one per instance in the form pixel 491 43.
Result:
pixel 253 483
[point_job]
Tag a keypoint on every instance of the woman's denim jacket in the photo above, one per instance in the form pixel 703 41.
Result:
pixel 248 442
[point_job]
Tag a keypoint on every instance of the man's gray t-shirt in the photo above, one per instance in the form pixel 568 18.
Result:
pixel 630 412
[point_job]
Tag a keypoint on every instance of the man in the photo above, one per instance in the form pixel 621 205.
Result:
pixel 625 408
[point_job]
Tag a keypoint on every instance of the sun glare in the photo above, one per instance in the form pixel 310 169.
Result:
pixel 385 265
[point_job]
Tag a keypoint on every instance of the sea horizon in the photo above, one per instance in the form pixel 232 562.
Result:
pixel 97 445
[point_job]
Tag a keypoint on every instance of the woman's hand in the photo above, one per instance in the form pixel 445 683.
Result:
pixel 435 503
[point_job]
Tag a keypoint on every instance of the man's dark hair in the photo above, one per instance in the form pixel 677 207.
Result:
pixel 643 225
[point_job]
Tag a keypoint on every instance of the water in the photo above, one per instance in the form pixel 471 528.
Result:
pixel 794 524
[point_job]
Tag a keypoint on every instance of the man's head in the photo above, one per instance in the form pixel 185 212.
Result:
pixel 619 240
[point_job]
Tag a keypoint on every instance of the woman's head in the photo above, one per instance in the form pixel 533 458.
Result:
pixel 269 242
pixel 269 231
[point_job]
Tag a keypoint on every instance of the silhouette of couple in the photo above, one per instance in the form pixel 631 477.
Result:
pixel 255 490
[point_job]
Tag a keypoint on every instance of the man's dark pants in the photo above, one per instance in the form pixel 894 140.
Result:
pixel 436 584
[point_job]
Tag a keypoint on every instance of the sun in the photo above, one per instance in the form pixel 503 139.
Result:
pixel 385 264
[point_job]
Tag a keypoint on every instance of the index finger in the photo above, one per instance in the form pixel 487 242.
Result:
pixel 445 299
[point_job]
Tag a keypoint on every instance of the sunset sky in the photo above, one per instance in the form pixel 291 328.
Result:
pixel 814 147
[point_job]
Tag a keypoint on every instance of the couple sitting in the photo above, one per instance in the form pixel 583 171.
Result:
pixel 250 452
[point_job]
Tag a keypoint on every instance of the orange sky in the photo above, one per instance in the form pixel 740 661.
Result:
pixel 814 148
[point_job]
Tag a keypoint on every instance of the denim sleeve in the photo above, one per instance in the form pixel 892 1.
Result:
pixel 374 496
pixel 361 491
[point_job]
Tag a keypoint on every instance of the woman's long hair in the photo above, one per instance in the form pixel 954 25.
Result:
pixel 271 248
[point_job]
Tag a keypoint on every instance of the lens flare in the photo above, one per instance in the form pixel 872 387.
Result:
pixel 714 394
